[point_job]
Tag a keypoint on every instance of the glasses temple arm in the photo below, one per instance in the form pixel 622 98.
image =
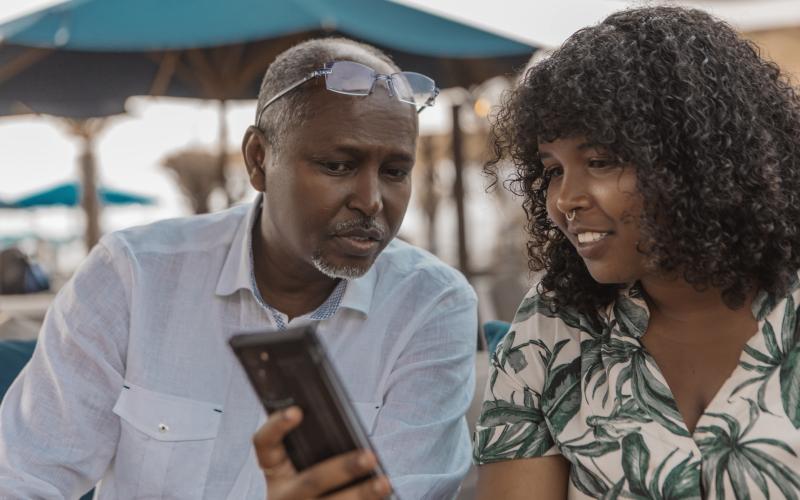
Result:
pixel 430 100
pixel 286 91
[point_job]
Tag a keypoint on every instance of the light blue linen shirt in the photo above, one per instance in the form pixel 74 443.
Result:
pixel 133 384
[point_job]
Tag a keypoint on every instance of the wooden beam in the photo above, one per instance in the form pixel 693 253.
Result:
pixel 22 62
pixel 166 69
pixel 204 72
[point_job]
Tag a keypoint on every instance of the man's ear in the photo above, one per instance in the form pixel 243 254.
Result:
pixel 257 152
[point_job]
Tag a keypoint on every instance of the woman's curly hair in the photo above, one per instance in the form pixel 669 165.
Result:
pixel 713 130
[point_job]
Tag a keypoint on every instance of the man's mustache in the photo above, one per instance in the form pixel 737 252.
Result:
pixel 369 224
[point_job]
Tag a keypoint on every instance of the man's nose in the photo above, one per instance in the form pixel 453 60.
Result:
pixel 367 196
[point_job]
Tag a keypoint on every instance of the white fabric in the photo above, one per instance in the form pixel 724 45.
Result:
pixel 133 383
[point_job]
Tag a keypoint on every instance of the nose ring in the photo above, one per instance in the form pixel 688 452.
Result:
pixel 571 215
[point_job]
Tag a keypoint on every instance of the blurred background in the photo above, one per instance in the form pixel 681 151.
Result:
pixel 116 113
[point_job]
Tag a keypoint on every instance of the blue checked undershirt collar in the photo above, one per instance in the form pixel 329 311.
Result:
pixel 238 274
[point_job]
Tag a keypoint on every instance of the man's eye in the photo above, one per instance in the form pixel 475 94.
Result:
pixel 397 173
pixel 336 167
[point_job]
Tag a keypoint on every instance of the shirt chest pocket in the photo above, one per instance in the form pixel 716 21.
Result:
pixel 165 443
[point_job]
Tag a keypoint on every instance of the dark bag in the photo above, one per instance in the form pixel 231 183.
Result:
pixel 19 275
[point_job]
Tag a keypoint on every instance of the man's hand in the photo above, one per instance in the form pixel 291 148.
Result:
pixel 285 483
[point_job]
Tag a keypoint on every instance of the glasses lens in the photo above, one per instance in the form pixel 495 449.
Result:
pixel 351 78
pixel 413 88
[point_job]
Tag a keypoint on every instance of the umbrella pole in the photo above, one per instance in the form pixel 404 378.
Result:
pixel 429 196
pixel 458 191
pixel 222 152
pixel 89 198
pixel 86 130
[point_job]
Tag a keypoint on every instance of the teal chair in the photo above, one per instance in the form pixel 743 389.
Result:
pixel 493 332
pixel 14 354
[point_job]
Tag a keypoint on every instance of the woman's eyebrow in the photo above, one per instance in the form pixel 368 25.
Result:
pixel 588 145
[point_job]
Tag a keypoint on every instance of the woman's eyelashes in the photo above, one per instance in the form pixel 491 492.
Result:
pixel 551 171
pixel 602 162
pixel 556 170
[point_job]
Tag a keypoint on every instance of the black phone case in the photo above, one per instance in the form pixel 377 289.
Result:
pixel 289 368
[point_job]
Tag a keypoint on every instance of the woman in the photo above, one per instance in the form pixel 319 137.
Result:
pixel 658 357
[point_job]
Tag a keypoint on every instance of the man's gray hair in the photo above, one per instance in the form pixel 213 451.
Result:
pixel 293 65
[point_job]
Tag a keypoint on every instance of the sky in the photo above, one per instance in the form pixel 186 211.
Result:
pixel 549 22
pixel 9 9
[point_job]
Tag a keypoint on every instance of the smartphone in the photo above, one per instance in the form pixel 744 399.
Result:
pixel 290 368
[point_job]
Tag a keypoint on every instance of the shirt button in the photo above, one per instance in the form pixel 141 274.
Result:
pixel 162 428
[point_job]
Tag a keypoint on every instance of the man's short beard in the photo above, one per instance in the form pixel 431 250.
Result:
pixel 331 270
pixel 337 272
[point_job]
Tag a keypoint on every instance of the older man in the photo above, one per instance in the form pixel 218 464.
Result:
pixel 132 383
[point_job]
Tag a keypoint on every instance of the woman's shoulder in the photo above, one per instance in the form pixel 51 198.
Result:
pixel 540 318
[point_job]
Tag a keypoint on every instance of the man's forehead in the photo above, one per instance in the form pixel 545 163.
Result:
pixel 338 118
pixel 346 52
pixel 379 102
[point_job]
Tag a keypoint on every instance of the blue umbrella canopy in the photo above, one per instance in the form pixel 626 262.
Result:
pixel 69 194
pixel 84 57
pixel 124 26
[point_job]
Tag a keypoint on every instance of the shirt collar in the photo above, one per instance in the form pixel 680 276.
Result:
pixel 360 291
pixel 237 270
pixel 630 311
pixel 235 274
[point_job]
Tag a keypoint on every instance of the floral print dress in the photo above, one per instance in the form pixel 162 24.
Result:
pixel 586 388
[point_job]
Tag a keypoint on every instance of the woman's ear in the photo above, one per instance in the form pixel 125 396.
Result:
pixel 256 151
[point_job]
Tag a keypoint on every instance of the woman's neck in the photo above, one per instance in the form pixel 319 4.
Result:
pixel 688 310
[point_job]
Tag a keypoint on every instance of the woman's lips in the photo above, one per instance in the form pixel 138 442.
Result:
pixel 592 245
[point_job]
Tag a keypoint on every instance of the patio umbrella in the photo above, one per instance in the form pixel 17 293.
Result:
pixel 69 194
pixel 83 58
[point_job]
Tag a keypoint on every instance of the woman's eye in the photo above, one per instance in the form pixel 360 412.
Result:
pixel 553 171
pixel 601 163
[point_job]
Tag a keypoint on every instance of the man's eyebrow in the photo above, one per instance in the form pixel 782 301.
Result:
pixel 401 157
pixel 358 153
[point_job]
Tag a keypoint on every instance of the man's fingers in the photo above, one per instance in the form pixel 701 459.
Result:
pixel 268 439
pixel 277 425
pixel 333 473
pixel 328 475
pixel 373 489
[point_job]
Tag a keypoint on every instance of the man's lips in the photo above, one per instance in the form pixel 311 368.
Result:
pixel 358 246
pixel 374 234
pixel 359 242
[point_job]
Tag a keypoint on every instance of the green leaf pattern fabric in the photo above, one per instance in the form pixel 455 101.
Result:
pixel 584 387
